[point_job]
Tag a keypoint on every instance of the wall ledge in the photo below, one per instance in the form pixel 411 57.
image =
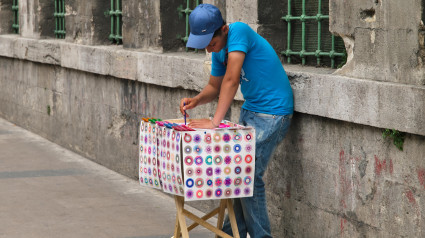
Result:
pixel 316 91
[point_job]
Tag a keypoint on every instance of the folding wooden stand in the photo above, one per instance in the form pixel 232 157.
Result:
pixel 181 230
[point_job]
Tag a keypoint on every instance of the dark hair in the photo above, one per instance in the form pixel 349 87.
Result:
pixel 218 31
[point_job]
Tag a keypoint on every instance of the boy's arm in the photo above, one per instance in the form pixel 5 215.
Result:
pixel 209 93
pixel 228 90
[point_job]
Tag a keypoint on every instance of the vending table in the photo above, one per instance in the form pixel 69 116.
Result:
pixel 198 164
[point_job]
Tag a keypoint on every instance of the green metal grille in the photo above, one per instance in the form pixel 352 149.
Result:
pixel 59 19
pixel 15 9
pixel 116 21
pixel 186 12
pixel 311 44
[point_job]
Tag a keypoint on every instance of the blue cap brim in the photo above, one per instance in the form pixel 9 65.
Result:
pixel 199 41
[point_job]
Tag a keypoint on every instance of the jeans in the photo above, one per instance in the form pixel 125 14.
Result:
pixel 251 212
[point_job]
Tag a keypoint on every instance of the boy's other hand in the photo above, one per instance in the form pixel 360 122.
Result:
pixel 186 104
pixel 201 124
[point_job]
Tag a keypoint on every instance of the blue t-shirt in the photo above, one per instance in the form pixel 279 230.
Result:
pixel 264 83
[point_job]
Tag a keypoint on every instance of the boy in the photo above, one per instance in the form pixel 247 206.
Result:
pixel 241 56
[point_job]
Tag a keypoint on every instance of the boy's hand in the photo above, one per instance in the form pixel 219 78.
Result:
pixel 202 124
pixel 186 104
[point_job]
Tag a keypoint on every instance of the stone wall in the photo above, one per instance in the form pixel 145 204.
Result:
pixel 36 18
pixel 334 174
pixel 336 179
pixel 383 43
pixel 87 22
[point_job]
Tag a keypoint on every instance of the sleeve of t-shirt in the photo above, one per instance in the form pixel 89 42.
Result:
pixel 238 41
pixel 217 68
pixel 239 37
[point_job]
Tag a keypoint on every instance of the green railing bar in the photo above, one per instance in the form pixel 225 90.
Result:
pixel 288 51
pixel 332 53
pixel 111 14
pixel 118 14
pixel 316 53
pixel 15 9
pixel 63 18
pixel 319 32
pixel 303 33
pixel 304 18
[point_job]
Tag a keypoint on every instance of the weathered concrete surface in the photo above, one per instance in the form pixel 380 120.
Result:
pixel 220 4
pixel 87 22
pixel 36 18
pixel 379 104
pixel 141 25
pixel 244 11
pixel 331 177
pixel 6 17
pixel 48 191
pixel 182 70
pixel 383 44
pixel 335 179
pixel 173 24
pixel 50 100
pixel 270 24
pixel 152 25
pixel 345 174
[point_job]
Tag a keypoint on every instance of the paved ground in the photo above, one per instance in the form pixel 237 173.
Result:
pixel 48 191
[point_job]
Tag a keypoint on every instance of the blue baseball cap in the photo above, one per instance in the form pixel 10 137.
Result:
pixel 204 20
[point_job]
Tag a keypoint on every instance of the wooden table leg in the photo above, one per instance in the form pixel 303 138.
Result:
pixel 232 218
pixel 177 228
pixel 221 211
pixel 205 224
pixel 181 229
pixel 180 216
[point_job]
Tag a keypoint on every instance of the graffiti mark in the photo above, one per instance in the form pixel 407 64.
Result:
pixel 343 221
pixel 288 190
pixel 379 166
pixel 382 166
pixel 421 176
pixel 411 197
pixel 345 181
pixel 342 203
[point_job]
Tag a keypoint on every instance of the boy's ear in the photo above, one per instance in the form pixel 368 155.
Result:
pixel 225 29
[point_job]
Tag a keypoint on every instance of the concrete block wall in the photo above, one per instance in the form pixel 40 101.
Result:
pixel 334 174
pixel 154 25
pixel 141 25
pixel 382 42
pixel 36 18
pixel 336 179
pixel 329 177
pixel 270 25
pixel 87 22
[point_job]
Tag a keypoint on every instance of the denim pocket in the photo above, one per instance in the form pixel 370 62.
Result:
pixel 266 126
pixel 284 127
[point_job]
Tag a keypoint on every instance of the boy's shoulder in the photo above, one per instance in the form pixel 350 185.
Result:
pixel 240 28
pixel 239 25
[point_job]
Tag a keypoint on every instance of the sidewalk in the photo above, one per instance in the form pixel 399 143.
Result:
pixel 48 191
